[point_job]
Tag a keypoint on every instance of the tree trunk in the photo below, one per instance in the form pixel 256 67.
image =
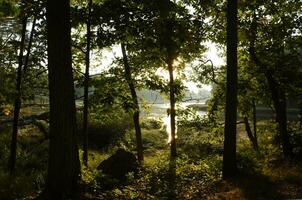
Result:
pixel 138 134
pixel 278 96
pixel 255 123
pixel 63 163
pixel 229 154
pixel 279 102
pixel 86 88
pixel 250 133
pixel 281 117
pixel 300 116
pixel 29 45
pixel 172 109
pixel 17 104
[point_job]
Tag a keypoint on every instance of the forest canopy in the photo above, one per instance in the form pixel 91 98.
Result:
pixel 106 99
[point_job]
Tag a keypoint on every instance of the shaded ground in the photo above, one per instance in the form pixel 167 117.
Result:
pixel 195 175
pixel 262 187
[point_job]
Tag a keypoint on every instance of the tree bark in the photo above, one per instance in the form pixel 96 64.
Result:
pixel 279 102
pixel 255 122
pixel 138 134
pixel 17 103
pixel 250 133
pixel 281 118
pixel 229 154
pixel 300 117
pixel 277 94
pixel 29 44
pixel 63 163
pixel 172 109
pixel 86 88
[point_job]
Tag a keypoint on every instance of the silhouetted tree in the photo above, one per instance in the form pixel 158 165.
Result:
pixel 63 164
pixel 86 86
pixel 130 82
pixel 17 103
pixel 229 154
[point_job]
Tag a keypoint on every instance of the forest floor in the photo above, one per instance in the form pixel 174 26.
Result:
pixel 282 181
pixel 196 173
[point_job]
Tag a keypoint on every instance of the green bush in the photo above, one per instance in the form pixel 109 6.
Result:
pixel 179 179
pixel 107 129
pixel 151 124
pixel 31 163
pixel 153 139
pixel 198 144
pixel 295 132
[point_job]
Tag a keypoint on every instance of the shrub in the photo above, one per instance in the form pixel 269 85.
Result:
pixel 107 129
pixel 152 139
pixel 151 124
pixel 295 132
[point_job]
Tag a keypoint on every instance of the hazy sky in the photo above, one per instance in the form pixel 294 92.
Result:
pixel 108 56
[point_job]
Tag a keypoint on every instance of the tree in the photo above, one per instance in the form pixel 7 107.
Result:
pixel 17 104
pixel 122 16
pixel 229 153
pixel 23 62
pixel 178 36
pixel 269 40
pixel 130 82
pixel 86 86
pixel 7 8
pixel 63 165
pixel 273 42
pixel 153 38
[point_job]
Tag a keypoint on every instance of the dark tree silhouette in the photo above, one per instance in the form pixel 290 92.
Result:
pixel 129 79
pixel 86 87
pixel 63 163
pixel 17 103
pixel 22 68
pixel 172 109
pixel 278 94
pixel 229 154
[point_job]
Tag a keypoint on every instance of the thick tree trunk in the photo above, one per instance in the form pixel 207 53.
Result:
pixel 229 154
pixel 138 134
pixel 17 104
pixel 250 133
pixel 86 88
pixel 172 110
pixel 63 163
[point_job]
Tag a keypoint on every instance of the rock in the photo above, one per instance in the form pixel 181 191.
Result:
pixel 119 165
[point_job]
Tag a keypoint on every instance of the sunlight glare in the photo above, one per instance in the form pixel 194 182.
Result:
pixel 167 124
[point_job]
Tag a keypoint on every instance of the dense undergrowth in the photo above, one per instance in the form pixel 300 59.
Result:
pixel 195 174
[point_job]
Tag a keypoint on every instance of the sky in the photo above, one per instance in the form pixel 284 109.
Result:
pixel 108 56
pixel 211 54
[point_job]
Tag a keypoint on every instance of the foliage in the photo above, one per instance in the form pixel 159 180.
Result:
pixel 160 181
pixel 153 140
pixel 151 124
pixel 296 138
pixel 188 117
pixel 197 144
pixel 107 127
pixel 10 36
pixel 7 8
pixel 32 158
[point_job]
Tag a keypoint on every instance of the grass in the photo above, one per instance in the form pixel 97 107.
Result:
pixel 195 174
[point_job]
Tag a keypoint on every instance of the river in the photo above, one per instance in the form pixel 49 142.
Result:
pixel 160 110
